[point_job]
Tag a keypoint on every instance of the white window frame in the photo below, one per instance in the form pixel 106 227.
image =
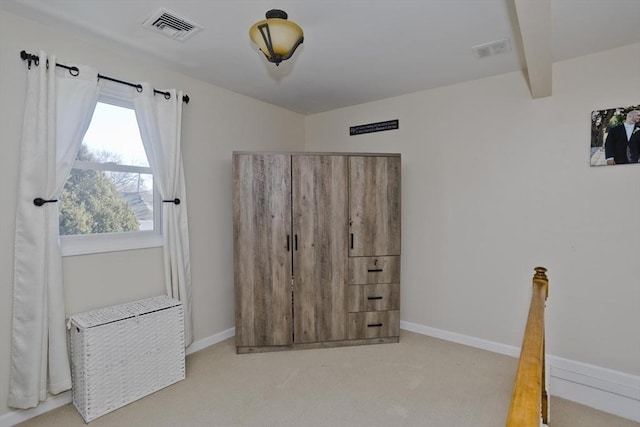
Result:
pixel 84 244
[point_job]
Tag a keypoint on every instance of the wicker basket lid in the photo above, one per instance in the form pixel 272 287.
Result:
pixel 127 310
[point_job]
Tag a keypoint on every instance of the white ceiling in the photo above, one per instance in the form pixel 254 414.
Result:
pixel 354 51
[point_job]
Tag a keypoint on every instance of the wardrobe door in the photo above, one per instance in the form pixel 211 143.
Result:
pixel 374 206
pixel 320 207
pixel 262 245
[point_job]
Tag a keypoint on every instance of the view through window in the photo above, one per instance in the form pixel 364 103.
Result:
pixel 110 188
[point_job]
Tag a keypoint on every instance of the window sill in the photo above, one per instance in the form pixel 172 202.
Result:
pixel 108 242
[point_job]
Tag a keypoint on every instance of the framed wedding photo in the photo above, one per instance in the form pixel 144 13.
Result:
pixel 615 136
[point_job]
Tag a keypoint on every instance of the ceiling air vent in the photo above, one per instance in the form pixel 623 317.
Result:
pixel 492 48
pixel 171 25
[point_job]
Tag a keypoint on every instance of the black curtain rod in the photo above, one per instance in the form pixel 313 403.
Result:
pixel 74 71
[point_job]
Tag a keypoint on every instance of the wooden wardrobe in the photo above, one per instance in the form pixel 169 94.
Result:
pixel 316 249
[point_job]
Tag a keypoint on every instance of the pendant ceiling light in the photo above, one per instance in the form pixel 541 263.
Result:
pixel 276 37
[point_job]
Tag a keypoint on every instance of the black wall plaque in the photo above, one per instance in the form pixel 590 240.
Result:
pixel 373 127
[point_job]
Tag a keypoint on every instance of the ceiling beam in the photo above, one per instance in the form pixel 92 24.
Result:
pixel 534 19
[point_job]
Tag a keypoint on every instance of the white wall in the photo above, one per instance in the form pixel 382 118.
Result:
pixel 215 122
pixel 494 184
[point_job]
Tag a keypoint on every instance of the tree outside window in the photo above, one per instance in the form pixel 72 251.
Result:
pixel 110 188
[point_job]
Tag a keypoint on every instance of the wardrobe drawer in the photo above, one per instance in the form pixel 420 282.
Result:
pixel 381 269
pixel 378 297
pixel 374 324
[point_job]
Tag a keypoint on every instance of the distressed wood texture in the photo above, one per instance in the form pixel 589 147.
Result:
pixel 374 324
pixel 297 282
pixel 262 262
pixel 319 201
pixel 317 345
pixel 382 269
pixel 379 297
pixel 374 206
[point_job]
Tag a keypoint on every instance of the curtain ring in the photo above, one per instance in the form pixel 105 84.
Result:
pixel 139 88
pixel 167 95
pixel 29 58
pixel 76 70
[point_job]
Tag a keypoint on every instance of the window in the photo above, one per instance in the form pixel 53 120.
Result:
pixel 109 201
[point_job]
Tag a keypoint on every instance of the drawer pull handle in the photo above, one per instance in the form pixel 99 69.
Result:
pixel 374 325
pixel 375 270
pixel 370 298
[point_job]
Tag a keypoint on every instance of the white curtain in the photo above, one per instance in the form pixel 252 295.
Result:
pixel 57 114
pixel 160 123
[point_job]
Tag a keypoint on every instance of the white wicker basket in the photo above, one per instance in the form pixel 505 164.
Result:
pixel 125 352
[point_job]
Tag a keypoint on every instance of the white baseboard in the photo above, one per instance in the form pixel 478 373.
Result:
pixel 210 340
pixel 600 388
pixel 609 391
pixel 494 347
pixel 18 416
pixel 21 415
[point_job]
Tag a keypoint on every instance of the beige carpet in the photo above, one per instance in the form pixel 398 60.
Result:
pixel 420 381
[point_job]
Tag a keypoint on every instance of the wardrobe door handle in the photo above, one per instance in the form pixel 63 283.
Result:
pixel 288 248
pixel 295 242
pixel 351 240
